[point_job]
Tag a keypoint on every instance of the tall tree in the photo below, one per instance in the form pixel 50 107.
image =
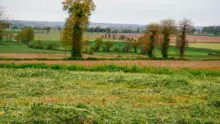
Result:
pixel 26 35
pixel 98 44
pixel 109 45
pixel 153 30
pixel 48 29
pixel 3 22
pixel 185 26
pixel 79 12
pixel 168 28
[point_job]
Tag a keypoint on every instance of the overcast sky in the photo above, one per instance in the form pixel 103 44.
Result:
pixel 202 12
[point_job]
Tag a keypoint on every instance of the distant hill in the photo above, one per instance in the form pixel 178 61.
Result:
pixel 21 23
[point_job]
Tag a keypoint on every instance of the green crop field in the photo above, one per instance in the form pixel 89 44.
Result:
pixel 191 53
pixel 153 95
pixel 213 46
pixel 196 51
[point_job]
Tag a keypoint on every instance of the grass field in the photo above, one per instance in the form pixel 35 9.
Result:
pixel 113 96
pixel 192 53
pixel 196 51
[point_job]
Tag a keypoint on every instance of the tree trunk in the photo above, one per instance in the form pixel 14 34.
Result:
pixel 183 43
pixel 165 46
pixel 76 43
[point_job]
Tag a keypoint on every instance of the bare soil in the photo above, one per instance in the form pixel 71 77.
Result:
pixel 154 63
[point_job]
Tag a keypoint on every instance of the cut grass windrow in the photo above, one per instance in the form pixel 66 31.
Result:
pixel 117 68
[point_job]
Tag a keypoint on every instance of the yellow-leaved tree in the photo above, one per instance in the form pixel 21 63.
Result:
pixel 79 12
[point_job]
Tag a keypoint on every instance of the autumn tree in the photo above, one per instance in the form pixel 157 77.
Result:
pixel 3 22
pixel 153 30
pixel 185 26
pixel 135 46
pixel 26 35
pixel 66 37
pixel 79 12
pixel 109 45
pixel 143 43
pixel 98 44
pixel 128 46
pixel 168 28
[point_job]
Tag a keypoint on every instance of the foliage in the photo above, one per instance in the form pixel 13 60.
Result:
pixel 109 45
pixel 52 46
pixel 79 13
pixel 153 30
pixel 168 28
pixel 98 44
pixel 185 27
pixel 26 35
pixel 128 46
pixel 143 43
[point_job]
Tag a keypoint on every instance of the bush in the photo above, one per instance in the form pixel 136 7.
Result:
pixel 117 49
pixel 52 46
pixel 30 45
pixel 38 47
pixel 49 46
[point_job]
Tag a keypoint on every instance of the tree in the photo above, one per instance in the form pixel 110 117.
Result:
pixel 66 37
pixel 3 22
pixel 108 30
pixel 109 45
pixel 153 30
pixel 128 46
pixel 168 28
pixel 98 44
pixel 185 26
pixel 143 43
pixel 48 29
pixel 79 12
pixel 26 35
pixel 135 45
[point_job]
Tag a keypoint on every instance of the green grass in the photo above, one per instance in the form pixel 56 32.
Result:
pixel 13 47
pixel 56 95
pixel 211 46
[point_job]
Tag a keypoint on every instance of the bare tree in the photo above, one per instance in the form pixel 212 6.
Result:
pixel 168 28
pixel 185 26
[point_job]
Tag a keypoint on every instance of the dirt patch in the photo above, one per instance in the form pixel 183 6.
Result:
pixel 200 39
pixel 43 55
pixel 154 63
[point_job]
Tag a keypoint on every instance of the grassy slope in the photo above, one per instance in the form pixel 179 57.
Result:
pixel 44 95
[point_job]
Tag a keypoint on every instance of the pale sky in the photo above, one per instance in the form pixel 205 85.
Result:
pixel 202 12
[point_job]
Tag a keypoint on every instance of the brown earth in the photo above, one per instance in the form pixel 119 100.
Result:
pixel 200 39
pixel 41 55
pixel 154 63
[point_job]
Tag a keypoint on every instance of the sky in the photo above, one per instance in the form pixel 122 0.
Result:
pixel 202 12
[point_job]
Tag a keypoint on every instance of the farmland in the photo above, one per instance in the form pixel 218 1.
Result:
pixel 113 96
pixel 109 62
pixel 196 51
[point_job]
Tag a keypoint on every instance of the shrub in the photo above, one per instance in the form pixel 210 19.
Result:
pixel 38 47
pixel 30 45
pixel 49 46
pixel 117 49
pixel 53 46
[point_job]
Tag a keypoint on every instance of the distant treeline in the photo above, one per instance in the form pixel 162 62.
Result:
pixel 211 30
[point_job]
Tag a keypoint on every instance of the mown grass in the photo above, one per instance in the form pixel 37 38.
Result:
pixel 116 68
pixel 43 94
